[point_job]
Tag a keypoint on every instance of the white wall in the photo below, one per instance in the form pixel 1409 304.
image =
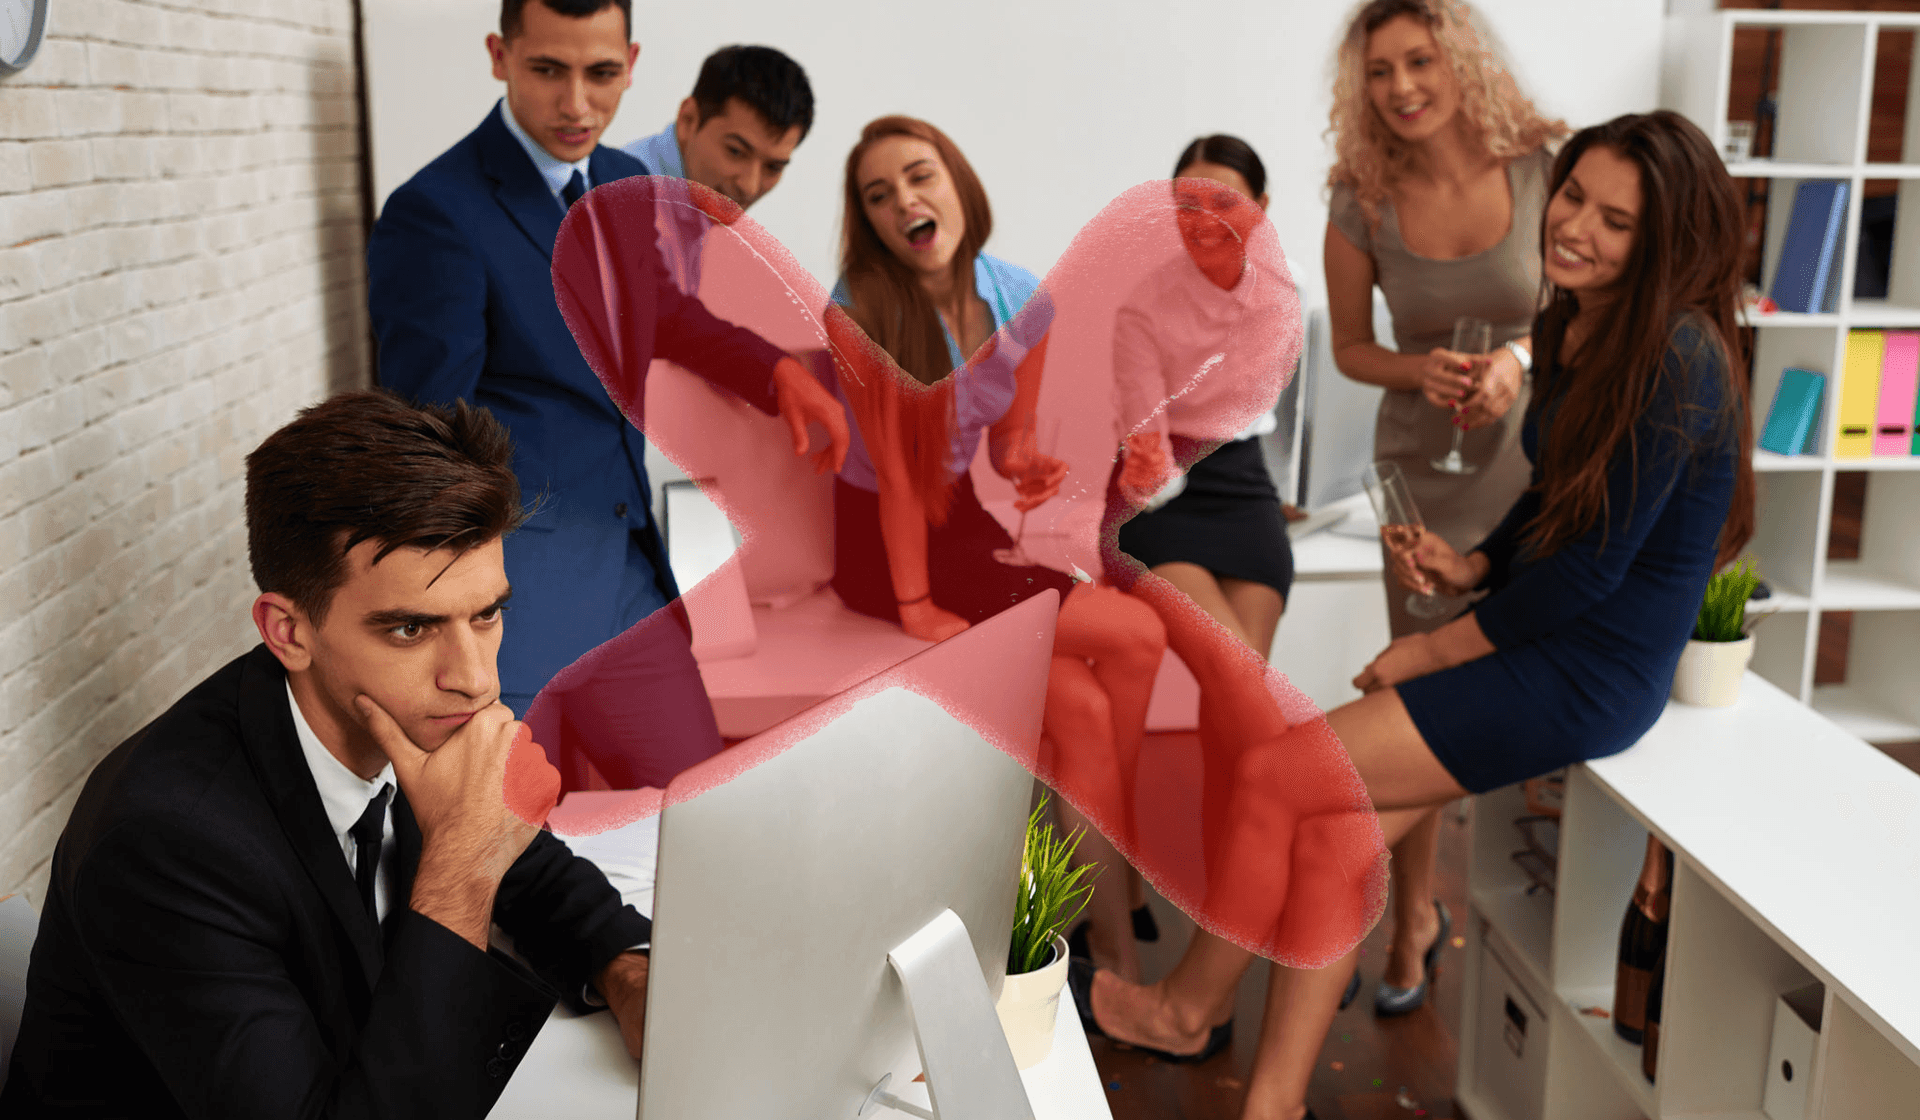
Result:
pixel 1060 104
pixel 180 269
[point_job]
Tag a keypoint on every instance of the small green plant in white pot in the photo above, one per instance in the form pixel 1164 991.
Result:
pixel 1052 895
pixel 1716 658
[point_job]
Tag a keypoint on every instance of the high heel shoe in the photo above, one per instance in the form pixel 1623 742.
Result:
pixel 1388 1000
pixel 1080 982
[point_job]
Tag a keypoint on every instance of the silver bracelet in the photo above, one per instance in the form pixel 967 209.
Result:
pixel 1521 354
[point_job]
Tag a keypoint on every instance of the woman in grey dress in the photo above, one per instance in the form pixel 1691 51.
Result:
pixel 1438 186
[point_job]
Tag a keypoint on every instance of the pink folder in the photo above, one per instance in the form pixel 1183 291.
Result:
pixel 1899 380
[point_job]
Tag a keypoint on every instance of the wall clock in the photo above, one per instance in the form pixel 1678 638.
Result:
pixel 22 23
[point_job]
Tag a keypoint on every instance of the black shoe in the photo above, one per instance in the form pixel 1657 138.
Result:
pixel 1389 1001
pixel 1080 983
pixel 1144 927
pixel 1353 989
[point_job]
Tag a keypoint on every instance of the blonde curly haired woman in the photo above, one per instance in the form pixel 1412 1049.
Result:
pixel 1438 186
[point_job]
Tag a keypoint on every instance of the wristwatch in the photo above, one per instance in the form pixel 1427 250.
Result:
pixel 1522 355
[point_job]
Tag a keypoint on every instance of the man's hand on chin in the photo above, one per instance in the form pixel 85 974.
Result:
pixel 623 984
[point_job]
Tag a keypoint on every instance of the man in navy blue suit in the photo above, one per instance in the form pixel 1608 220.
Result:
pixel 461 294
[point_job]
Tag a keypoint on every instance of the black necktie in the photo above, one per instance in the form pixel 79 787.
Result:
pixel 575 187
pixel 367 833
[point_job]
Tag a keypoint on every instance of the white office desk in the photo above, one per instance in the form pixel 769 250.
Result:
pixel 578 1066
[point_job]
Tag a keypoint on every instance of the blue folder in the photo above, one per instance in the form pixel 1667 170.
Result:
pixel 1804 279
pixel 1795 409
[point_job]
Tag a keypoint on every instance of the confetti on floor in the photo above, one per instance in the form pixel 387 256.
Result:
pixel 1229 1083
pixel 1377 1083
pixel 1404 1101
pixel 1113 1086
pixel 1346 1038
pixel 1338 1066
pixel 1596 1012
pixel 1459 942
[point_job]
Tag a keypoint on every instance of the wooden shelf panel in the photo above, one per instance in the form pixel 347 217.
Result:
pixel 1849 587
pixel 1863 716
pixel 1621 1057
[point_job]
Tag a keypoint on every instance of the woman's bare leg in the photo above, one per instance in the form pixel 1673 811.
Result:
pixel 1405 779
pixel 1415 921
pixel 1258 607
pixel 1078 724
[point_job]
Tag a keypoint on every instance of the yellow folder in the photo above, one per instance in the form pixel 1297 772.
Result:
pixel 1859 394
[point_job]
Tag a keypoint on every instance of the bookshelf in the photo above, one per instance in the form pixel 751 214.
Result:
pixel 1766 808
pixel 1824 92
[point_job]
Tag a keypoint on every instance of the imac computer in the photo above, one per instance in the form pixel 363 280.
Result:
pixel 806 953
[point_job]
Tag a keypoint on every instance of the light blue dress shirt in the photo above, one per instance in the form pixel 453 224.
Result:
pixel 682 229
pixel 1022 314
pixel 555 171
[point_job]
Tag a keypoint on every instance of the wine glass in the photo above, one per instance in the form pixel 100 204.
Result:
pixel 1048 435
pixel 1400 526
pixel 1470 336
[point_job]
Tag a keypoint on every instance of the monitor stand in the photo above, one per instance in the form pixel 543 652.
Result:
pixel 969 1067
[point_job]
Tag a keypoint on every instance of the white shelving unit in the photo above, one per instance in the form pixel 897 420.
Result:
pixel 1796 849
pixel 1825 86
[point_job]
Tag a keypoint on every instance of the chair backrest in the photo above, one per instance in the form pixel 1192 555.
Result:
pixel 18 925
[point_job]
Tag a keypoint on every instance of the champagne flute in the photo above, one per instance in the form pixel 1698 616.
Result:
pixel 1470 336
pixel 1400 526
pixel 1043 443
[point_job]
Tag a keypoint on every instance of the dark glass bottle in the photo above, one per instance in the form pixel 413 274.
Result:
pixel 1643 937
pixel 1650 1049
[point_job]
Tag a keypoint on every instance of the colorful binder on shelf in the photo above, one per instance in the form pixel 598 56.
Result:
pixel 1804 279
pixel 1899 378
pixel 1859 394
pixel 1795 410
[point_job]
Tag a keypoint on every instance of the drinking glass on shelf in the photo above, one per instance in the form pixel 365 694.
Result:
pixel 1400 526
pixel 1470 336
pixel 1042 437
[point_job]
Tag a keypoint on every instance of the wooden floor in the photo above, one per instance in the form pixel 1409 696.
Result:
pixel 1373 1069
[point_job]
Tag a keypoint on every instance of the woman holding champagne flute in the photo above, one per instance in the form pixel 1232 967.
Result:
pixel 1438 185
pixel 1641 486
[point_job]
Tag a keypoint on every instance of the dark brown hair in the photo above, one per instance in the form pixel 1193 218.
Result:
pixel 770 83
pixel 1684 268
pixel 366 466
pixel 1230 152
pixel 887 302
pixel 573 9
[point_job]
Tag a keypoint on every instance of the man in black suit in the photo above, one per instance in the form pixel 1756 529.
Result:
pixel 246 919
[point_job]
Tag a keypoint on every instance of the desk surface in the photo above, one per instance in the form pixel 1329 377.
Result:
pixel 1813 833
pixel 578 1068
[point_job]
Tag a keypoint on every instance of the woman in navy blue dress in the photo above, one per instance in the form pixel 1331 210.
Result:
pixel 1642 486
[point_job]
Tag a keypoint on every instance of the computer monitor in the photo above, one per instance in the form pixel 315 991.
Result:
pixel 781 893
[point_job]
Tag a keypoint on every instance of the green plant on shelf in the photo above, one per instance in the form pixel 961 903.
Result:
pixel 1052 893
pixel 1723 612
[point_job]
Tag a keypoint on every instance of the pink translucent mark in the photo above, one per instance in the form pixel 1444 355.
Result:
pixel 1265 835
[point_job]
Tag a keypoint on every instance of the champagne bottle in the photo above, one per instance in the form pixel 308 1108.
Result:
pixel 1650 1049
pixel 1643 937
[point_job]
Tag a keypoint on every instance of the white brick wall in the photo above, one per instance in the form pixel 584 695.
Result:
pixel 180 270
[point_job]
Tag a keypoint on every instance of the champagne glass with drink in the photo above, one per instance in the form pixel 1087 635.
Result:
pixel 1043 441
pixel 1400 526
pixel 1470 336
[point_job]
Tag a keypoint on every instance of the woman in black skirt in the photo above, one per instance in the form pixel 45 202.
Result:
pixel 1188 347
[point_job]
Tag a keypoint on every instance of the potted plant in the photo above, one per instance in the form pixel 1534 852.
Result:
pixel 1716 658
pixel 1051 896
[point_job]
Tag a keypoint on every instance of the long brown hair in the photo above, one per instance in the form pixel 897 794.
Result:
pixel 888 303
pixel 1368 156
pixel 1684 267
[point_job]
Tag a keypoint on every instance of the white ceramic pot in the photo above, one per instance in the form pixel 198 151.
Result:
pixel 1709 672
pixel 1029 1004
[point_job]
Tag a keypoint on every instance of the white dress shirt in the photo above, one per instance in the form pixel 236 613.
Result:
pixel 556 172
pixel 1180 336
pixel 345 794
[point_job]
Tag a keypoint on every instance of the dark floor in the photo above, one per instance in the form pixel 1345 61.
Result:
pixel 1374 1069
